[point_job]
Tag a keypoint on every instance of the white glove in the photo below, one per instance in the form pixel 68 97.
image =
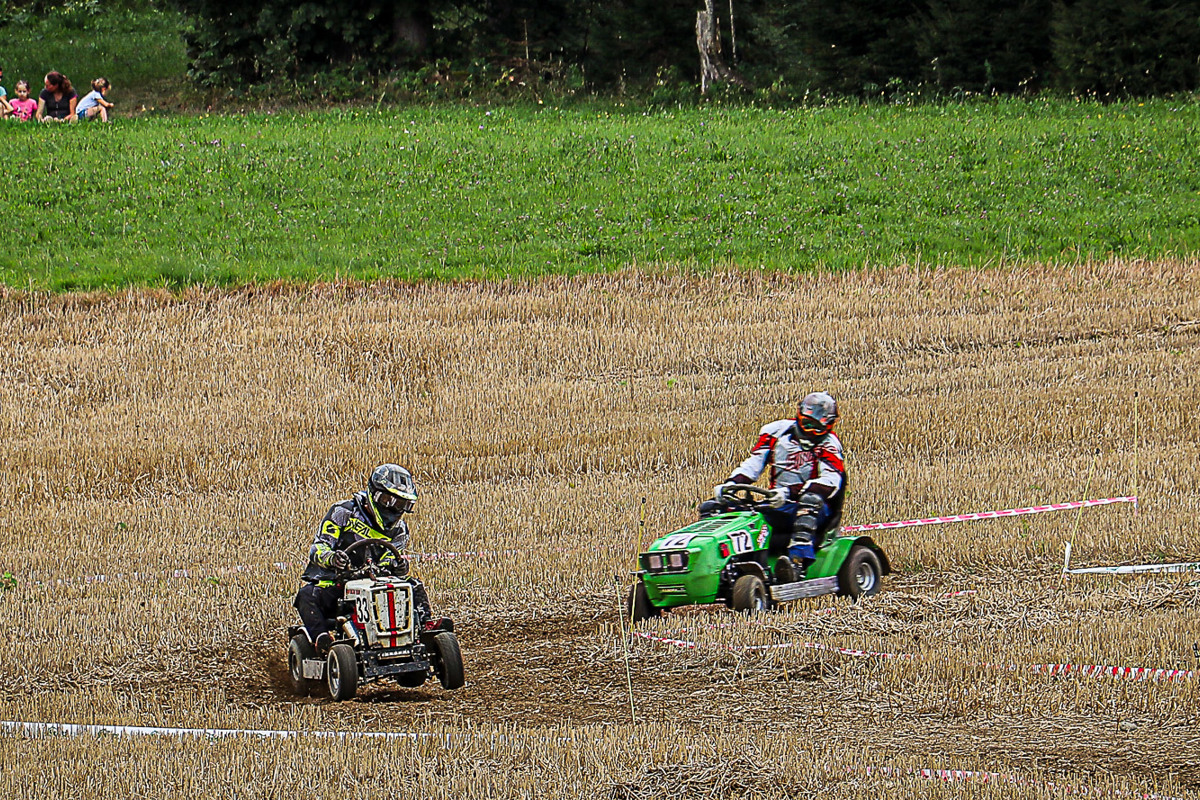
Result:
pixel 719 492
pixel 779 496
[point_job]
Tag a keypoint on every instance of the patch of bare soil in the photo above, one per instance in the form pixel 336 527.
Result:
pixel 569 668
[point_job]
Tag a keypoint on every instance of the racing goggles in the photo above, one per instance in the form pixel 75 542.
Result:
pixel 813 426
pixel 394 502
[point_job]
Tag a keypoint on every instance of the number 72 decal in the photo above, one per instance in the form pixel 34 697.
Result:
pixel 677 541
pixel 743 542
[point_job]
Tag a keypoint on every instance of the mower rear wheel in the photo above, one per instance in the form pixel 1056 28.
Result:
pixel 300 648
pixel 449 664
pixel 750 594
pixel 341 672
pixel 861 574
pixel 638 606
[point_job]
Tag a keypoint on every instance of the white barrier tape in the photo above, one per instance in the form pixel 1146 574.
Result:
pixel 979 776
pixel 16 727
pixel 1137 569
pixel 69 729
pixel 1008 512
pixel 1133 569
pixel 1084 670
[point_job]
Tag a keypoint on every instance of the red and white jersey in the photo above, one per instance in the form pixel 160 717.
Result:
pixel 823 468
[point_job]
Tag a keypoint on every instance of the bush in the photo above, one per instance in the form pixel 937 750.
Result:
pixel 1126 47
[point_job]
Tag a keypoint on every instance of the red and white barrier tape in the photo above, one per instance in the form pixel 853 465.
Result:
pixel 1008 512
pixel 17 727
pixel 835 609
pixel 873 526
pixel 281 566
pixel 1084 670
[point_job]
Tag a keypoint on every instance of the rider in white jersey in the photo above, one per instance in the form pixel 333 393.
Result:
pixel 807 475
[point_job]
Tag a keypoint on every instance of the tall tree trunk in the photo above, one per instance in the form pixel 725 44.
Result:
pixel 708 41
pixel 415 29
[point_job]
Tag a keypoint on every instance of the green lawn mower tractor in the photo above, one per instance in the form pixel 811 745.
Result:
pixel 732 558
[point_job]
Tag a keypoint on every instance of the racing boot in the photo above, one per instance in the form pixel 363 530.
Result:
pixel 323 642
pixel 784 571
pixel 801 551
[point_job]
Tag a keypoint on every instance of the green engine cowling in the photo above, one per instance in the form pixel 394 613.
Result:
pixel 684 567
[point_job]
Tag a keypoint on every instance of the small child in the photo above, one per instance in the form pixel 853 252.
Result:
pixel 93 104
pixel 24 106
pixel 5 108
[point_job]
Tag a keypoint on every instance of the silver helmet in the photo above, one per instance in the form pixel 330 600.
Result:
pixel 392 493
pixel 815 418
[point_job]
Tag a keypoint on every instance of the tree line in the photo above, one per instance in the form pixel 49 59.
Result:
pixel 791 47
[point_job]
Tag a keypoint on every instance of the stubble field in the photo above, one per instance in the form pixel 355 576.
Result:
pixel 144 433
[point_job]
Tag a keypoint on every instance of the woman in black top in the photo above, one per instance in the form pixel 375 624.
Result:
pixel 57 101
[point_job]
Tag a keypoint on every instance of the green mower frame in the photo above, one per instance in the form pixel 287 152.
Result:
pixel 730 558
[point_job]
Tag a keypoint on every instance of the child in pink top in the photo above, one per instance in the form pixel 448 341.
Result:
pixel 23 106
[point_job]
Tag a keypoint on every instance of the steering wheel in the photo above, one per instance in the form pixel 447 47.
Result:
pixel 744 494
pixel 370 567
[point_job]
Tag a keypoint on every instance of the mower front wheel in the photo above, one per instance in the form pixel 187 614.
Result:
pixel 299 648
pixel 750 595
pixel 449 664
pixel 341 672
pixel 638 605
pixel 861 574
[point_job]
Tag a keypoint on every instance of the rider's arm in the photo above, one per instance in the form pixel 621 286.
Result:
pixel 328 535
pixel 749 470
pixel 400 539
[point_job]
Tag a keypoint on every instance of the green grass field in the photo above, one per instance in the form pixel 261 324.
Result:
pixel 457 192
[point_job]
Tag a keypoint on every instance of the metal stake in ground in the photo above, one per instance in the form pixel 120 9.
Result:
pixel 1136 447
pixel 1079 516
pixel 624 644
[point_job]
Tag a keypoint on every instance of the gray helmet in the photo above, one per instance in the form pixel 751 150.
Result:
pixel 815 418
pixel 391 493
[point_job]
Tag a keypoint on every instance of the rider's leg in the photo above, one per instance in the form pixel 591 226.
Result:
pixel 421 598
pixel 782 520
pixel 317 605
pixel 812 515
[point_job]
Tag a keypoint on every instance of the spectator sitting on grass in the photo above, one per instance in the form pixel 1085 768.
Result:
pixel 57 101
pixel 5 108
pixel 23 106
pixel 93 103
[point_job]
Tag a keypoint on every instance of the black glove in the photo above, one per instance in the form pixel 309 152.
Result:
pixel 339 560
pixel 397 568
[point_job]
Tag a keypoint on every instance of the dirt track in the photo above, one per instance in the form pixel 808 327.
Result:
pixel 567 668
pixel 560 426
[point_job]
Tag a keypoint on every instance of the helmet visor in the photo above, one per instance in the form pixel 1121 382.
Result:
pixel 392 502
pixel 814 427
